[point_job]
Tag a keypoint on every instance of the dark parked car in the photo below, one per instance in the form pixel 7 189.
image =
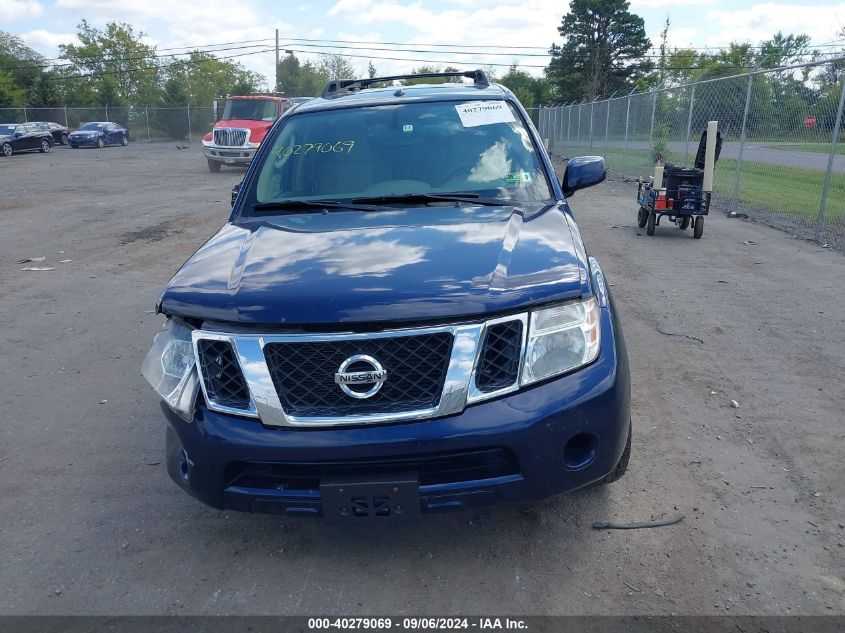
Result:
pixel 23 137
pixel 60 132
pixel 399 317
pixel 99 134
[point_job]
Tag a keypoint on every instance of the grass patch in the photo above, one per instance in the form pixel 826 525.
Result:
pixel 774 188
pixel 816 148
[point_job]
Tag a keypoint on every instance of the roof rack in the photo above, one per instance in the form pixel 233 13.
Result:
pixel 336 87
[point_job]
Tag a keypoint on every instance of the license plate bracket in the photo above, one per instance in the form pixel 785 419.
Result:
pixel 373 499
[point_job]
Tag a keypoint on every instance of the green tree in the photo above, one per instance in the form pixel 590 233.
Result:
pixel 11 95
pixel 530 90
pixel 336 67
pixel 201 77
pixel 115 62
pixel 25 81
pixel 603 50
pixel 300 79
pixel 425 68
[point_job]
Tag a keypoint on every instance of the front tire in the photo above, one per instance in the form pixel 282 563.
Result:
pixel 642 217
pixel 45 146
pixel 6 149
pixel 649 229
pixel 213 166
pixel 698 227
pixel 100 143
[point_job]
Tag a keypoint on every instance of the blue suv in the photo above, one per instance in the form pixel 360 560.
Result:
pixel 399 317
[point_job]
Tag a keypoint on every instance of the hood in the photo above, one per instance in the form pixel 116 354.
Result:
pixel 404 265
pixel 257 128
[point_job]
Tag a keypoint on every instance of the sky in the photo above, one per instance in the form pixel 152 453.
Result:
pixel 489 24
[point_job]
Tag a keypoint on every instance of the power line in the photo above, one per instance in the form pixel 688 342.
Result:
pixel 104 73
pixel 106 60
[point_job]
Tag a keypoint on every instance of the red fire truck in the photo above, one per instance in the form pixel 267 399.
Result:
pixel 238 132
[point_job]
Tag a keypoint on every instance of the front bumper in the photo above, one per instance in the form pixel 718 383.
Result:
pixel 229 155
pixel 237 463
pixel 83 140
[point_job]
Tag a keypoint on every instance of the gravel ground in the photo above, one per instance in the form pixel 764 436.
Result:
pixel 92 524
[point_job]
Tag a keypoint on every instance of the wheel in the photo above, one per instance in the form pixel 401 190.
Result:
pixel 100 143
pixel 684 223
pixel 649 229
pixel 698 227
pixel 213 166
pixel 6 149
pixel 621 466
pixel 45 146
pixel 74 146
pixel 642 217
pixel 63 139
pixel 124 141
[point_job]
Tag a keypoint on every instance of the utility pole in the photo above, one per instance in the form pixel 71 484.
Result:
pixel 276 71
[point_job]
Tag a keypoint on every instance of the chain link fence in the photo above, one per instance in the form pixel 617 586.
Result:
pixel 782 159
pixel 145 124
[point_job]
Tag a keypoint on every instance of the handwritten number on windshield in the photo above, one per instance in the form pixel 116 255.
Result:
pixel 340 147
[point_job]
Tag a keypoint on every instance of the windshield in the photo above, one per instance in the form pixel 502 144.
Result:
pixel 481 148
pixel 7 129
pixel 251 109
pixel 92 126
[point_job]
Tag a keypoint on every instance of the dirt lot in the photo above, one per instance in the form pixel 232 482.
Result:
pixel 92 524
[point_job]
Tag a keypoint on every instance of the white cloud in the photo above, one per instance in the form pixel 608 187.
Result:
pixel 47 42
pixel 761 21
pixel 11 10
pixel 233 13
pixel 531 23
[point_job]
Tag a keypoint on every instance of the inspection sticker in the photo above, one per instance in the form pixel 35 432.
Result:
pixel 476 113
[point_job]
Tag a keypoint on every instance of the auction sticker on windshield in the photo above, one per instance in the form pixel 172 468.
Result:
pixel 475 113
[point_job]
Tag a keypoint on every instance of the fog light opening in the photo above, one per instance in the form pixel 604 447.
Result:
pixel 580 450
pixel 184 464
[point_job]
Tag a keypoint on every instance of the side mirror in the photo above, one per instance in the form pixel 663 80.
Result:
pixel 235 190
pixel 582 172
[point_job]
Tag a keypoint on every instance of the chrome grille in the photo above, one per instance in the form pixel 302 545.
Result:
pixel 230 137
pixel 224 383
pixel 303 374
pixel 498 366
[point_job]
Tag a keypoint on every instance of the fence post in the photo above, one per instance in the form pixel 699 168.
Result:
pixel 568 122
pixel 189 124
pixel 25 120
pixel 651 129
pixel 592 107
pixel 834 139
pixel 689 123
pixel 107 112
pixel 607 122
pixel 735 194
pixel 147 113
pixel 66 123
pixel 578 131
pixel 625 144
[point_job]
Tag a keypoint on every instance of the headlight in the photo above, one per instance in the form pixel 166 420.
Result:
pixel 253 145
pixel 207 143
pixel 170 367
pixel 561 339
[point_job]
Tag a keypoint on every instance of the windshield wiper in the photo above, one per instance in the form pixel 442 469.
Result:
pixel 469 198
pixel 308 206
